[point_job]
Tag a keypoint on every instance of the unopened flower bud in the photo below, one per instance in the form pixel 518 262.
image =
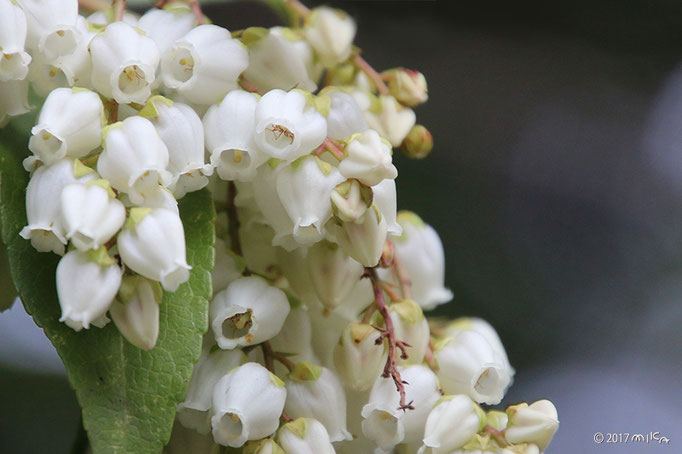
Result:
pixel 407 86
pixel 247 404
pixel 364 241
pixel 331 33
pixel 388 425
pixel 286 126
pixel 45 227
pixel 134 158
pixel 136 311
pixel 304 188
pixel 91 214
pixel 195 411
pixel 152 244
pixel 357 357
pixel 418 143
pixel 341 75
pixel 87 283
pixel 182 132
pixel 248 312
pixel 334 275
pixel 204 65
pixel 411 327
pixel 124 63
pixel 468 364
pixel 264 446
pixel 535 423
pixel 451 424
pixel 350 200
pixel 70 124
pixel 229 128
pixel 345 116
pixel 391 120
pixel 368 158
pixel 14 59
pixel 305 436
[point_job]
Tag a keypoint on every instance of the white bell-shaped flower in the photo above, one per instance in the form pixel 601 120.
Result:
pixel 315 392
pixel 286 126
pixel 327 329
pixel 368 158
pixel 228 266
pixel 385 423
pixel 181 131
pixel 283 49
pixel 51 26
pixel 152 243
pixel 45 76
pixel 76 67
pixel 295 337
pixel 305 188
pixel 351 200
pixel 452 423
pixel 91 214
pixel 345 116
pixel 247 404
pixel 136 311
pixel 204 65
pixel 293 265
pixel 248 312
pixel 468 364
pixel 412 327
pixel 229 128
pixel 358 359
pixel 195 411
pixel 421 253
pixel 87 283
pixel 364 240
pixel 271 207
pixel 259 254
pixel 305 436
pixel 392 121
pixel 134 158
pixel 124 63
pixel 45 227
pixel 535 423
pixel 168 24
pixel 14 59
pixel 70 124
pixel 331 33
pixel 13 99
pixel 407 86
pixel 334 275
pixel 385 198
pixel 485 329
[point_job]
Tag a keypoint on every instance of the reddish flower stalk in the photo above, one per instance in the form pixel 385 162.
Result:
pixel 375 77
pixel 119 9
pixel 269 356
pixel 391 367
pixel 193 5
pixel 331 146
pixel 498 435
pixel 248 86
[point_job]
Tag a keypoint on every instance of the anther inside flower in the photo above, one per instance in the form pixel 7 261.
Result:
pixel 131 80
pixel 60 42
pixel 238 325
pixel 182 70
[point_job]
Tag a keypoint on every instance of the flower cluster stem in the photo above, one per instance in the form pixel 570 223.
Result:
pixel 498 435
pixel 119 9
pixel 331 146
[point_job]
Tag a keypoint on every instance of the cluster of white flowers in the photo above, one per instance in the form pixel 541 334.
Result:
pixel 318 342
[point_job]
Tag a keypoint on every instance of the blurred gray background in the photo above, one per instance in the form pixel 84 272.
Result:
pixel 556 187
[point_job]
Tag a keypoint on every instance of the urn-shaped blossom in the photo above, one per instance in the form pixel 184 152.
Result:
pixel 87 283
pixel 387 425
pixel 535 423
pixel 363 240
pixel 368 158
pixel 91 214
pixel 451 424
pixel 304 188
pixel 45 227
pixel 331 33
pixel 315 392
pixel 249 311
pixel 482 327
pixel 229 128
pixel 70 124
pixel 385 198
pixel 334 275
pixel 195 411
pixel 305 436
pixel 152 243
pixel 168 24
pixel 247 404
pixel 136 311
pixel 468 364
pixel 345 116
pixel 391 120
pixel 13 99
pixel 358 359
pixel 411 327
pixel 271 207
pixel 14 59
pixel 124 63
pixel 181 131
pixel 204 65
pixel 287 127
pixel 134 158
pixel 51 26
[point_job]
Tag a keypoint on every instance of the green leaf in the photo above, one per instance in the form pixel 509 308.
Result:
pixel 128 396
